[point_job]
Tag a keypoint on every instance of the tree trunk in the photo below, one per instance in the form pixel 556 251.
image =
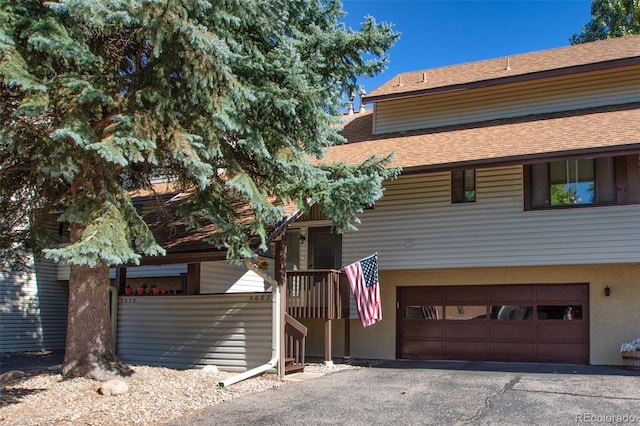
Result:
pixel 89 349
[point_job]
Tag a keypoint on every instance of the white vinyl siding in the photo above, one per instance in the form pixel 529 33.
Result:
pixel 223 277
pixel 414 227
pixel 33 309
pixel 511 100
pixel 230 331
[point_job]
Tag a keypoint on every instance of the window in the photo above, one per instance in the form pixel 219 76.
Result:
pixel 292 237
pixel 571 183
pixel 428 312
pixel 463 186
pixel 511 312
pixel 560 312
pixel 465 312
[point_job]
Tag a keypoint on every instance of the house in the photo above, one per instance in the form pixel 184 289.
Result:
pixel 513 233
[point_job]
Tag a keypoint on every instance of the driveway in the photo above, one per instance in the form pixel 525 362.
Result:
pixel 442 393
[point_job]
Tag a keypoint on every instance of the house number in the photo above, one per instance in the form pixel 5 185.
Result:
pixel 260 297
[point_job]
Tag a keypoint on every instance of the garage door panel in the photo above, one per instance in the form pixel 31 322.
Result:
pixel 561 352
pixel 513 331
pixel 511 351
pixel 422 329
pixel 415 349
pixel 465 295
pixel 466 350
pixel 471 331
pixel 510 295
pixel 423 295
pixel 560 293
pixel 560 331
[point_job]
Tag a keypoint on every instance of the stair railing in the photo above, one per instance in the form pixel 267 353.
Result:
pixel 295 344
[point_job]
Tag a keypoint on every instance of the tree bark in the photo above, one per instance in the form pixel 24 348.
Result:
pixel 89 349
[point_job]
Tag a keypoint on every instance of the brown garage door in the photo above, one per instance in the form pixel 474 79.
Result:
pixel 527 323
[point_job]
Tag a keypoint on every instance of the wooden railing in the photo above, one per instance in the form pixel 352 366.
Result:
pixel 295 335
pixel 320 293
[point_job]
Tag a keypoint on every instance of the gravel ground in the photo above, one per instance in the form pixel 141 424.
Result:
pixel 156 396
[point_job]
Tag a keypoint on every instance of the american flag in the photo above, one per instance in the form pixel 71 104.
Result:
pixel 363 279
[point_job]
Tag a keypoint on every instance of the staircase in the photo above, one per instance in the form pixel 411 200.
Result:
pixel 295 334
pixel 290 366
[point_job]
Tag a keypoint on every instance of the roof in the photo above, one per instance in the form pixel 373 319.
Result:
pixel 157 189
pixel 514 140
pixel 621 51
pixel 191 245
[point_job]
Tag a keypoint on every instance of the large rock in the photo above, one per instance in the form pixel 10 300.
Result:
pixel 113 387
pixel 211 369
pixel 11 375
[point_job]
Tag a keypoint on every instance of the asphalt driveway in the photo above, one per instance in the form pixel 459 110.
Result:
pixel 442 393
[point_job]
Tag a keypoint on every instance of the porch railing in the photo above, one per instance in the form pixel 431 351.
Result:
pixel 319 293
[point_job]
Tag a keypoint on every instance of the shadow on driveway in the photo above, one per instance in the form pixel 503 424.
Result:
pixel 507 367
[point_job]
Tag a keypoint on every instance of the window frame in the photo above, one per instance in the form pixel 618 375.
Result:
pixel 462 198
pixel 626 183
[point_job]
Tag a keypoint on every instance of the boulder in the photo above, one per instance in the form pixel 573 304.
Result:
pixel 113 387
pixel 211 369
pixel 11 375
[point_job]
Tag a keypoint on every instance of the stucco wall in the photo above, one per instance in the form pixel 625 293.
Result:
pixel 613 320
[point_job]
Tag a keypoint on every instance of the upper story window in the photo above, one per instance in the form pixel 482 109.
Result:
pixel 463 186
pixel 582 182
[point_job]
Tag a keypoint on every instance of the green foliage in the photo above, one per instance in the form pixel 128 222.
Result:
pixel 610 18
pixel 236 100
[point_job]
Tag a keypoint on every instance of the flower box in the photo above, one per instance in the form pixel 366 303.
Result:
pixel 631 359
pixel 631 354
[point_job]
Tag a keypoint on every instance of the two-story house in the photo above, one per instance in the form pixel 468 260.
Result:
pixel 513 233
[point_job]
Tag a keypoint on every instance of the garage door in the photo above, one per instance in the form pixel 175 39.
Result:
pixel 526 323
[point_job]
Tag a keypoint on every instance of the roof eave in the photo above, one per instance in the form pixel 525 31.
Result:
pixel 626 149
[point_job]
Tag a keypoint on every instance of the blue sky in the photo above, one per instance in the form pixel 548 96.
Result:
pixel 447 32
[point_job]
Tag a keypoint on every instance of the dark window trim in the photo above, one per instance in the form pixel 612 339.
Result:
pixel 627 182
pixel 463 199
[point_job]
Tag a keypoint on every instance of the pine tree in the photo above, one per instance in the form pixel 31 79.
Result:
pixel 228 99
pixel 610 19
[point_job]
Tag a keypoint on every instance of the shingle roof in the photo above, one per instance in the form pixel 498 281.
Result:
pixel 411 83
pixel 506 140
pixel 170 232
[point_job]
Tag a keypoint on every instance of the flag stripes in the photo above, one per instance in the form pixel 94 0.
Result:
pixel 365 286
